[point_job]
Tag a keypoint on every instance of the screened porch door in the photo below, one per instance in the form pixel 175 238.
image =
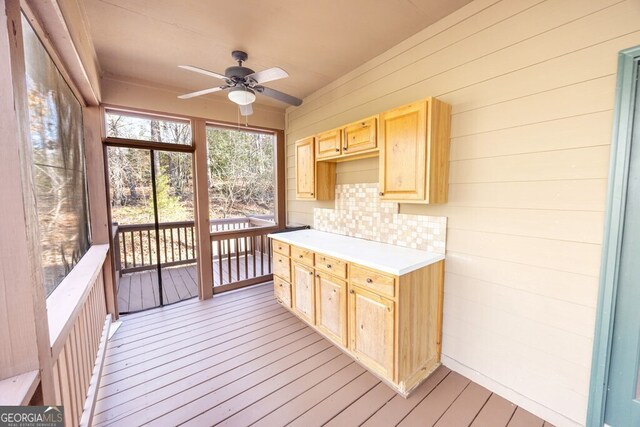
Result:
pixel 151 200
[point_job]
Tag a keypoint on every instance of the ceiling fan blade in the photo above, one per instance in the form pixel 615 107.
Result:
pixel 246 110
pixel 203 71
pixel 202 92
pixel 269 75
pixel 280 96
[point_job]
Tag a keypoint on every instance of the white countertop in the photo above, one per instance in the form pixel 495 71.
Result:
pixel 392 259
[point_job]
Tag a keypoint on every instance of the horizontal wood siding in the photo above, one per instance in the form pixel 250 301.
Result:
pixel 531 84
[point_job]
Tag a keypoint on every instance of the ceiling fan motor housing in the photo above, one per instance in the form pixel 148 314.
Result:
pixel 238 71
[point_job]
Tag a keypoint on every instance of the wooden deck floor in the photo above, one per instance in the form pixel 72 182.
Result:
pixel 139 291
pixel 240 359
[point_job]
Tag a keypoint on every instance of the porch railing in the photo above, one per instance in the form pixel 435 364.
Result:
pixel 234 241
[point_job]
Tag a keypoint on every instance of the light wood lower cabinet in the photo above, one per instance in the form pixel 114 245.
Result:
pixel 392 325
pixel 303 294
pixel 331 307
pixel 371 330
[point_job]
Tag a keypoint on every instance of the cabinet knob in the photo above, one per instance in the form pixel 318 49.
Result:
pixel 345 148
pixel 381 193
pixel 317 275
pixel 328 265
pixel 312 194
pixel 337 149
pixel 311 272
pixel 300 256
pixel 369 280
pixel 352 291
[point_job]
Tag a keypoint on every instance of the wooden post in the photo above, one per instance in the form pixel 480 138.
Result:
pixel 97 187
pixel 23 326
pixel 201 196
pixel 281 184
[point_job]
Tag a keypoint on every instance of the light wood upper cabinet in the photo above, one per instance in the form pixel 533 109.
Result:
pixel 302 288
pixel 328 144
pixel 414 152
pixel 371 330
pixel 360 136
pixel 314 180
pixel 305 169
pixel 331 307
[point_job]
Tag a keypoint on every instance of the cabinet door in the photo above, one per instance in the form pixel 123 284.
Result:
pixel 328 144
pixel 331 307
pixel 371 330
pixel 403 151
pixel 360 136
pixel 305 169
pixel 302 290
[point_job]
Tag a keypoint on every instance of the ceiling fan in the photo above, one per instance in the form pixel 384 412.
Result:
pixel 242 83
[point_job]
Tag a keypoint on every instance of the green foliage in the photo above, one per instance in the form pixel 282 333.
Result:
pixel 241 173
pixel 240 168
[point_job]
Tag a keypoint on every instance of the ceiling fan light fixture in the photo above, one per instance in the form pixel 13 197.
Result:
pixel 242 96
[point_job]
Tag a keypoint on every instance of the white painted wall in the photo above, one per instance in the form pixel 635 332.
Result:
pixel 532 87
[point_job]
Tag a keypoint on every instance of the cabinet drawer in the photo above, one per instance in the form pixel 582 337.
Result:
pixel 281 248
pixel 282 267
pixel 304 256
pixel 282 291
pixel 373 280
pixel 331 265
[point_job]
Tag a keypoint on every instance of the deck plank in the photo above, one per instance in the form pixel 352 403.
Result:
pixel 522 418
pixel 466 406
pixel 429 411
pixel 496 412
pixel 376 394
pixel 212 395
pixel 167 384
pixel 293 380
pixel 294 406
pixel 123 368
pixel 397 408
pixel 240 358
pixel 147 290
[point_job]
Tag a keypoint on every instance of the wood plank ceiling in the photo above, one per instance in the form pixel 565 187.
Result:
pixel 315 41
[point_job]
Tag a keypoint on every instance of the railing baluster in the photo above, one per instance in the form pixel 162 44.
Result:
pixel 220 260
pixel 164 244
pixel 173 258
pixel 269 253
pixel 179 244
pixel 261 256
pixel 253 250
pixel 133 250
pixel 246 258
pixel 193 244
pixel 237 254
pixel 124 247
pixel 149 241
pixel 229 259
pixel 141 248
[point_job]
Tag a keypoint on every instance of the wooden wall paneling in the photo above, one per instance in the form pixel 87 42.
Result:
pixel 29 332
pixel 201 212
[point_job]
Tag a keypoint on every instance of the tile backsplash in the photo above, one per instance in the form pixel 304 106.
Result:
pixel 359 212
